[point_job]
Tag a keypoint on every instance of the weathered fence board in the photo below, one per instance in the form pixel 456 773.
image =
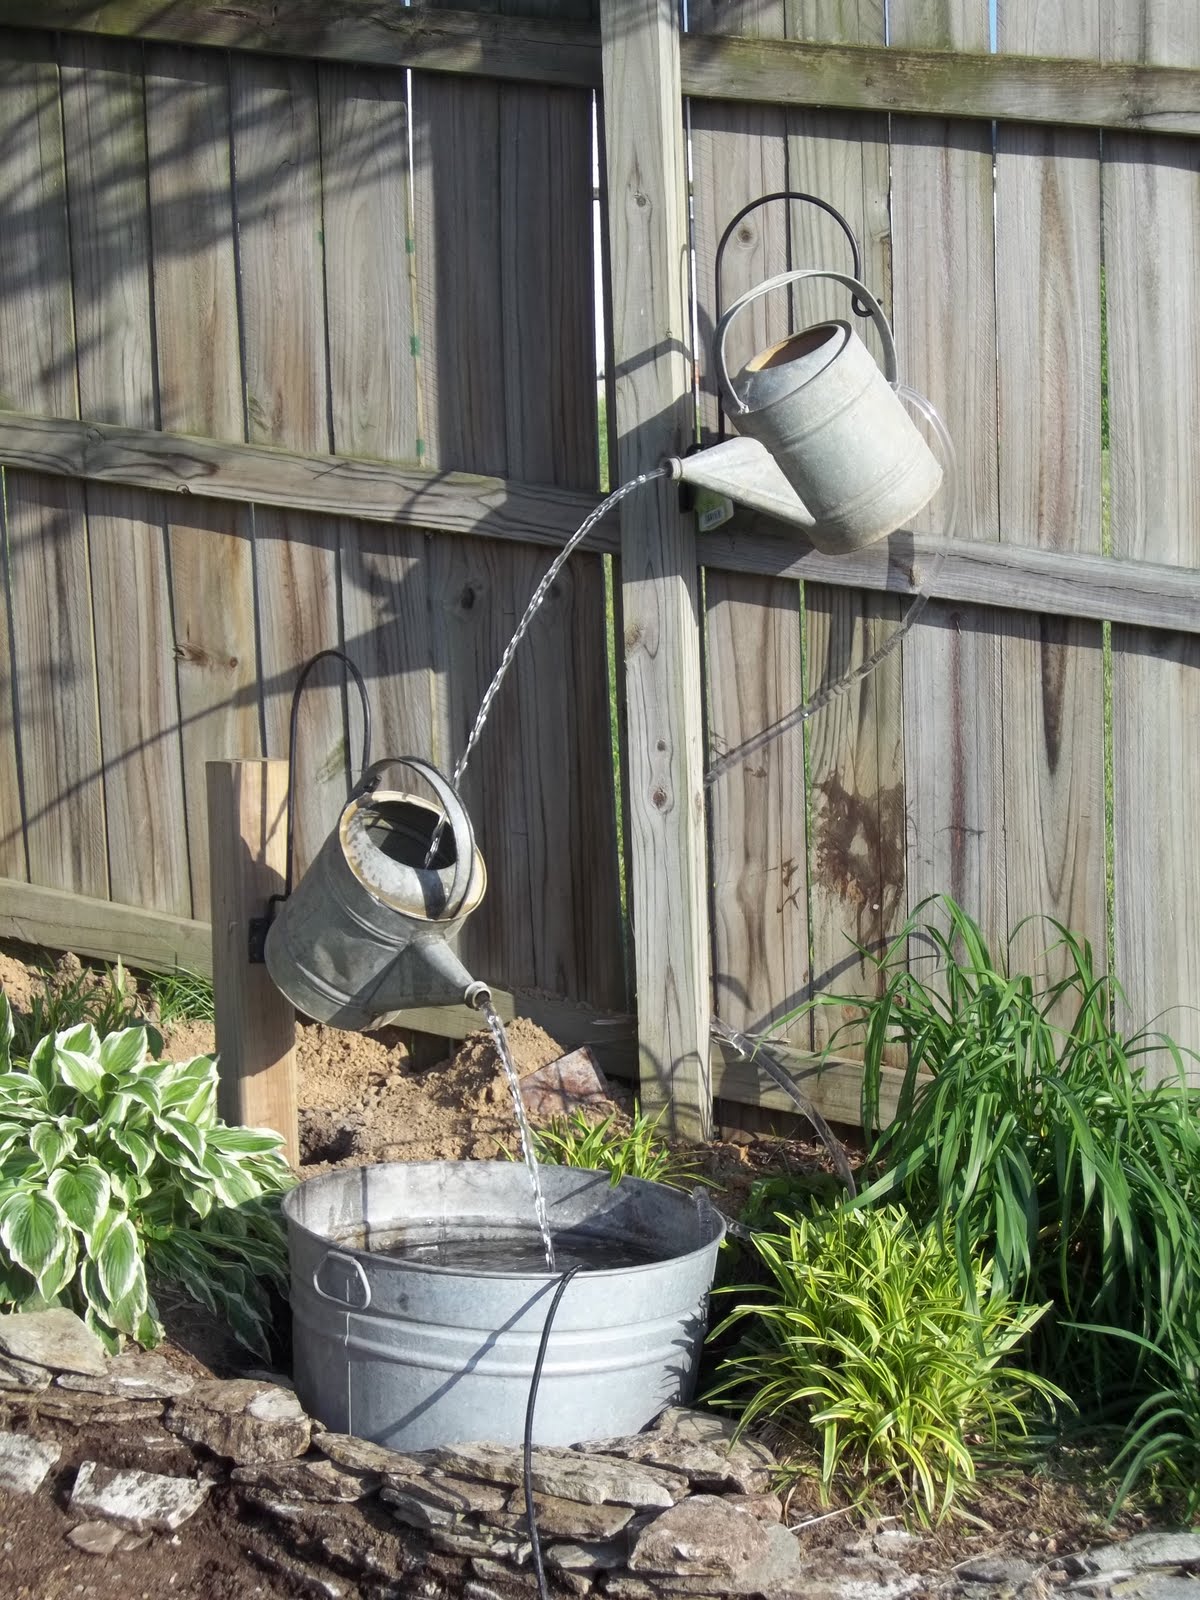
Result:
pixel 1151 227
pixel 201 391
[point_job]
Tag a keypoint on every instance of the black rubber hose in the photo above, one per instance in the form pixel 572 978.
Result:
pixel 535 1542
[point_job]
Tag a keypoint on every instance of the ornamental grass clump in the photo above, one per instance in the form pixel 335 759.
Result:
pixel 633 1151
pixel 860 1341
pixel 116 1174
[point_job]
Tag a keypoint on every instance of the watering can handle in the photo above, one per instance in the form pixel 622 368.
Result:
pixel 456 815
pixel 862 293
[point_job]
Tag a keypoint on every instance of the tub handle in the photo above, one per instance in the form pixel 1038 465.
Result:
pixel 336 1300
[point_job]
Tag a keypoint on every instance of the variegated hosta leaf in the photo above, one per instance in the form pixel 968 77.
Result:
pixel 123 1052
pixel 117 1253
pixel 136 1146
pixel 31 1227
pixel 6 1032
pixel 82 1038
pixel 41 1064
pixel 84 1193
pixel 191 1138
pixel 51 1144
pixel 77 1068
pixel 58 1273
pixel 245 1141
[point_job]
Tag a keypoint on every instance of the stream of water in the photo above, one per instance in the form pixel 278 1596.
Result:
pixel 523 1129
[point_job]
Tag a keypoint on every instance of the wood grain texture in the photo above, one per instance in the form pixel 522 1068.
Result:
pixel 53 651
pixel 646 220
pixel 200 391
pixel 1048 369
pixel 753 70
pixel 943 289
pixel 758 877
pixel 59 920
pixel 1151 225
pixel 856 744
pixel 104 133
pixel 255 1025
pixel 277 160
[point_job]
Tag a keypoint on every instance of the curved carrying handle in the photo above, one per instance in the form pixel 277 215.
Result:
pixel 455 814
pixel 338 1255
pixel 781 279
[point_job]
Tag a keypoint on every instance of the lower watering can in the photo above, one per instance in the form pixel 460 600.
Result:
pixel 825 440
pixel 365 932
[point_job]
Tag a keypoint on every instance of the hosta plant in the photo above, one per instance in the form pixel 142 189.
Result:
pixel 116 1173
pixel 862 1344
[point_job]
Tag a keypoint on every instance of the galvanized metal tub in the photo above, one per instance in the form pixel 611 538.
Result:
pixel 412 1355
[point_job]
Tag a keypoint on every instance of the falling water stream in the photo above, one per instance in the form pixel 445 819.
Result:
pixel 523 1129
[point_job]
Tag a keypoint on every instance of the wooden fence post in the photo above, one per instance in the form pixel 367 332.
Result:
pixel 648 252
pixel 256 1026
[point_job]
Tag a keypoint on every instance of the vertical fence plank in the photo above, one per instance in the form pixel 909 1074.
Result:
pixel 508 384
pixel 277 166
pixel 104 129
pixel 757 871
pixel 1151 226
pixel 648 249
pixel 53 649
pixel 943 296
pixel 200 391
pixel 1048 352
pixel 374 399
pixel 856 744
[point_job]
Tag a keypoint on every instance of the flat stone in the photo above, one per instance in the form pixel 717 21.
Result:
pixel 569 1519
pixel 572 1083
pixel 496 1572
pixel 105 1538
pixel 996 1570
pixel 415 1511
pixel 318 1480
pixel 143 1501
pixel 23 1375
pixel 701 1536
pixel 460 1497
pixel 590 1555
pixel 779 1573
pixel 133 1375
pixel 24 1462
pixel 1146 1550
pixel 243 1420
pixel 476 1541
pixel 763 1507
pixel 60 1405
pixel 360 1455
pixel 701 1446
pixel 57 1339
pixel 568 1475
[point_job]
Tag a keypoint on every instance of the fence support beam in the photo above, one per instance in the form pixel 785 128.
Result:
pixel 256 1026
pixel 647 248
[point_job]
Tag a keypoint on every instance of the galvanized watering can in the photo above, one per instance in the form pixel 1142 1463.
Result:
pixel 364 934
pixel 833 426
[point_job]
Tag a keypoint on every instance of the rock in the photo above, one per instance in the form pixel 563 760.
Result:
pixel 1010 1570
pixel 243 1420
pixel 496 1572
pixel 701 1536
pixel 25 1462
pixel 360 1455
pixel 60 1405
pixel 143 1501
pixel 23 1375
pixel 572 1083
pixel 470 1540
pixel 778 1573
pixel 57 1339
pixel 568 1519
pixel 568 1474
pixel 1146 1550
pixel 480 1591
pixel 701 1446
pixel 134 1375
pixel 318 1480
pixel 105 1538
pixel 762 1507
pixel 592 1555
pixel 459 1497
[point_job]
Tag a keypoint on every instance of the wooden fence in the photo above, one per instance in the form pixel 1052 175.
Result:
pixel 296 351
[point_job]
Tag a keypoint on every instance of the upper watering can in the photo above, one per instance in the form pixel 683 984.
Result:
pixel 839 453
pixel 364 933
